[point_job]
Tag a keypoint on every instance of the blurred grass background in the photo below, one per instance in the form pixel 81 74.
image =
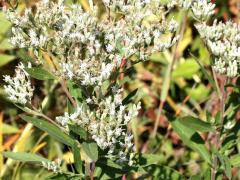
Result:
pixel 190 94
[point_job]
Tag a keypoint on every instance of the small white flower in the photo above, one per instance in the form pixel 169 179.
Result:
pixel 109 48
pixel 202 9
pixel 19 88
pixel 53 166
pixel 89 100
pixel 229 125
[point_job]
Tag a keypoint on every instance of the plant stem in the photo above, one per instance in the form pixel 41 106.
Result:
pixel 92 171
pixel 63 83
pixel 222 100
pixel 214 169
pixel 158 118
pixel 218 144
pixel 87 169
pixel 171 65
pixel 217 85
pixel 64 87
pixel 44 116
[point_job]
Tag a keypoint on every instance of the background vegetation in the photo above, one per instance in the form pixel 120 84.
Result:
pixel 190 93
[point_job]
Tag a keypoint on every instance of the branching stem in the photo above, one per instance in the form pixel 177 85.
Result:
pixel 218 144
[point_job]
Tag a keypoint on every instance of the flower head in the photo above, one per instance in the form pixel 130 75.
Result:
pixel 19 88
pixel 106 123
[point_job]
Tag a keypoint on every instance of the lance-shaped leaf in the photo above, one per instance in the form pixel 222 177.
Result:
pixel 129 97
pixel 235 160
pixel 39 73
pixel 5 59
pixel 25 157
pixel 77 158
pixel 51 129
pixel 196 124
pixel 191 138
pixel 91 150
pixel 8 129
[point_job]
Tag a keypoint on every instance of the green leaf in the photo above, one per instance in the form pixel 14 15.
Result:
pixel 191 138
pixel 207 174
pixel 8 129
pixel 70 107
pixel 52 130
pixel 22 54
pixel 91 150
pixel 206 74
pixel 119 45
pixel 5 45
pixel 158 172
pixel 110 170
pixel 199 93
pixel 158 58
pixel 218 118
pixel 79 131
pixel 235 160
pixel 25 157
pixel 77 158
pixel 129 97
pixel 195 177
pixel 225 163
pixel 5 59
pixel 4 23
pixel 227 167
pixel 166 82
pixel 75 91
pixel 64 176
pixel 186 69
pixel 27 110
pixel 148 159
pixel 196 124
pixel 97 172
pixel 229 143
pixel 148 165
pixel 39 73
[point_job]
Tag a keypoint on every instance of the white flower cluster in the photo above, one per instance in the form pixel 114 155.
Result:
pixel 88 48
pixel 185 4
pixel 25 34
pixel 223 39
pixel 53 166
pixel 201 9
pixel 106 121
pixel 19 88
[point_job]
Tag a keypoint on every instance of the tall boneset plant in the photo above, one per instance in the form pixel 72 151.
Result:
pixel 86 53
